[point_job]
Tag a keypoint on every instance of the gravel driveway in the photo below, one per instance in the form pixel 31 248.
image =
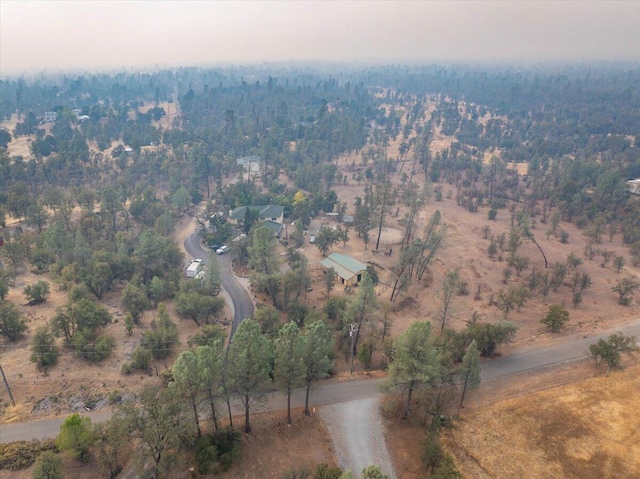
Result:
pixel 357 433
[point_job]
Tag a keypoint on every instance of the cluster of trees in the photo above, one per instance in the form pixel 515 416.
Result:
pixel 554 278
pixel 163 420
pixel 326 237
pixel 416 257
pixel 423 364
pixel 267 277
pixel 157 343
pixel 579 180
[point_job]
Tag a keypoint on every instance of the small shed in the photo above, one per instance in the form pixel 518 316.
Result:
pixel 348 269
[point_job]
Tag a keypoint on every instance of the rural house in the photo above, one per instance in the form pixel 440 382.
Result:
pixel 272 216
pixel 348 269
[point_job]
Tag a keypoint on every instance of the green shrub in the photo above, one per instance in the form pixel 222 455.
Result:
pixel 297 312
pixel 334 307
pixel 21 454
pixel 325 471
pixel 93 350
pixel 207 335
pixel 141 359
pixel 37 293
pixel 215 453
pixel 48 466
pixel 162 337
pixel 114 397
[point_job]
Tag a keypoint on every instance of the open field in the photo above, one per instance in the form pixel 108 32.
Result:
pixel 585 430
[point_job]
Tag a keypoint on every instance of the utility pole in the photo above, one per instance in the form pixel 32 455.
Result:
pixel 6 383
pixel 352 336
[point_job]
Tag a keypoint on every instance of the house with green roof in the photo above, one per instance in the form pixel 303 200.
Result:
pixel 271 215
pixel 348 269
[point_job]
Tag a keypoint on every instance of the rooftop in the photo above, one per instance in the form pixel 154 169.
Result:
pixel 248 159
pixel 265 211
pixel 345 266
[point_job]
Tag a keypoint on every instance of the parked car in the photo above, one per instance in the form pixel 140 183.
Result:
pixel 222 249
pixel 312 239
pixel 196 260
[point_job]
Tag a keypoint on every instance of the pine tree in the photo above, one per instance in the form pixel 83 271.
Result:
pixel 249 365
pixel 318 345
pixel 416 363
pixel 289 367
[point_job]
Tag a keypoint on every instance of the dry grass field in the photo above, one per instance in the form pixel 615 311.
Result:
pixel 585 430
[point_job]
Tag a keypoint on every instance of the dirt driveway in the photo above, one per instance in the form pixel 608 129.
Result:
pixel 358 437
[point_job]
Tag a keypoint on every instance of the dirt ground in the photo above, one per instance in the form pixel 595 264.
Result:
pixel 276 448
pixel 20 146
pixel 467 251
pixel 270 451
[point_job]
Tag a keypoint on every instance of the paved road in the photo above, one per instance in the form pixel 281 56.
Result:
pixel 327 393
pixel 574 349
pixel 241 301
pixel 337 392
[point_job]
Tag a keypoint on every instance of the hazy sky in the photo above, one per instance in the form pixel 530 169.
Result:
pixel 39 35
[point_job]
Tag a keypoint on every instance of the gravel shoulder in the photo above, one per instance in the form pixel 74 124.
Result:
pixel 357 433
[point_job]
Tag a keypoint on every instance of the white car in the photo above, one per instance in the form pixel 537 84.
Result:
pixel 312 239
pixel 222 249
pixel 196 260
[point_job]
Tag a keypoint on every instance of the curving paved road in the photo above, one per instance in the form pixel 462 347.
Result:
pixel 241 301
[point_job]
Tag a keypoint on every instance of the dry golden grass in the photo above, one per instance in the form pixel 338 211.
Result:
pixel 584 430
